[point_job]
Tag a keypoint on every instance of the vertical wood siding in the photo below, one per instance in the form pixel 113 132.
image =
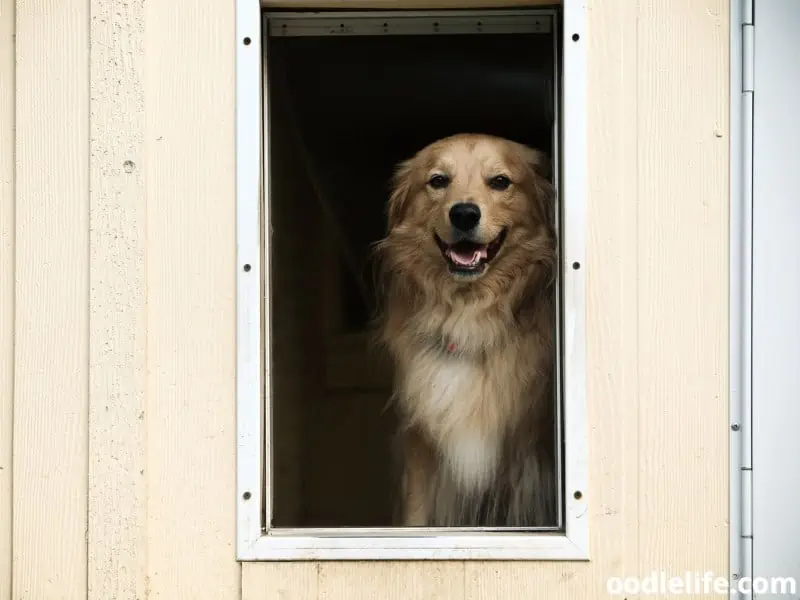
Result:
pixel 7 234
pixel 51 301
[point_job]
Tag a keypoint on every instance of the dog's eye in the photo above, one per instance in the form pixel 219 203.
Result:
pixel 438 182
pixel 499 183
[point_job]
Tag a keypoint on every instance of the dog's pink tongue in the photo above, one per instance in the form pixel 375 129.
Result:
pixel 468 257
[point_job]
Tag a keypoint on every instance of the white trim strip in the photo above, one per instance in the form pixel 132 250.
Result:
pixel 735 307
pixel 249 448
pixel 445 547
pixel 574 172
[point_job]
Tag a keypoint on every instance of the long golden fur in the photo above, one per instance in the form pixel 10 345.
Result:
pixel 472 341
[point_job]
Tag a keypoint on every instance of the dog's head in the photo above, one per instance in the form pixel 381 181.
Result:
pixel 469 208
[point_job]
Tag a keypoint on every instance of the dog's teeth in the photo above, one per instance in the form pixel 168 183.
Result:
pixel 466 261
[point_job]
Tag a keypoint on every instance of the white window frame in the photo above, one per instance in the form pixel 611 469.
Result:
pixel 255 542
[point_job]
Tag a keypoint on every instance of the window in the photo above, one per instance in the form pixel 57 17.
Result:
pixel 323 103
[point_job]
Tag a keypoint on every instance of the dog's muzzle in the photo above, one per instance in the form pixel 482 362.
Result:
pixel 467 257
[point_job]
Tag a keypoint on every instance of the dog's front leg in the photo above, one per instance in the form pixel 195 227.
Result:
pixel 419 470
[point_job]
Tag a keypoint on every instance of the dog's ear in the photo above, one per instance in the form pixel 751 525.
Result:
pixel 399 195
pixel 538 162
pixel 541 172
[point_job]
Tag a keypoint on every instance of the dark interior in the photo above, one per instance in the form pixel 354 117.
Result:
pixel 344 111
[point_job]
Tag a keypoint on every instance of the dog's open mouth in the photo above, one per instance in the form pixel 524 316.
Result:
pixel 468 257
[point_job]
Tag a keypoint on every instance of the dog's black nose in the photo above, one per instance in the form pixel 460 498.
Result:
pixel 465 215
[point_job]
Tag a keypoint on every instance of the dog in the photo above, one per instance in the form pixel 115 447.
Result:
pixel 467 279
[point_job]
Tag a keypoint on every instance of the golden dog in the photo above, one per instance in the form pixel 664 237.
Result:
pixel 468 267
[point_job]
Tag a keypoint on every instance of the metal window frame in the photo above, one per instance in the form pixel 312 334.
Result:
pixel 741 291
pixel 255 542
pixel 415 23
pixel 408 22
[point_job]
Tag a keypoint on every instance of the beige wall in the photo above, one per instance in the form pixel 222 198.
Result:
pixel 117 311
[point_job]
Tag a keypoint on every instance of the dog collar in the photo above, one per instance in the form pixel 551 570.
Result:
pixel 440 343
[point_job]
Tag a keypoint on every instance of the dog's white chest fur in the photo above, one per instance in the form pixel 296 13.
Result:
pixel 472 458
pixel 448 395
